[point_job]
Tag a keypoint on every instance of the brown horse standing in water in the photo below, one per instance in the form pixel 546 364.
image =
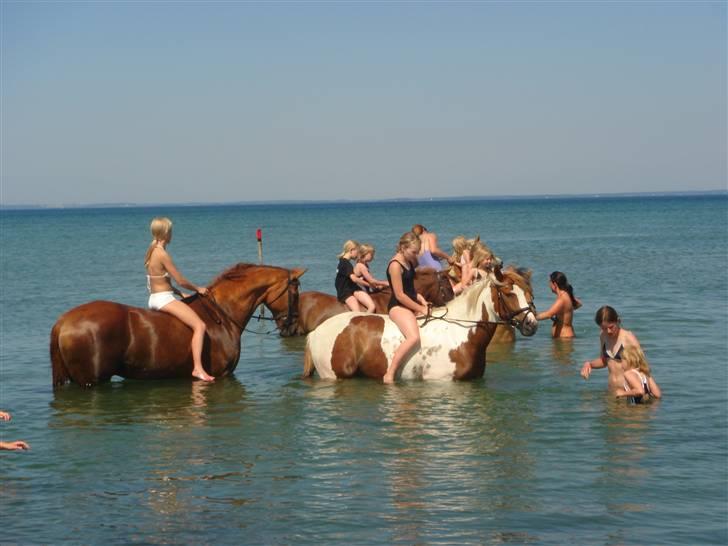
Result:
pixel 316 307
pixel 97 340
pixel 435 287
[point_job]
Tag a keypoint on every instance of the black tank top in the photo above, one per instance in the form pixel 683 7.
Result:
pixel 408 284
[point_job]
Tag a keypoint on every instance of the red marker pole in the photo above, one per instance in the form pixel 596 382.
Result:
pixel 259 236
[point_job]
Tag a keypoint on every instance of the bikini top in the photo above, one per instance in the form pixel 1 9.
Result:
pixel 645 386
pixel 607 354
pixel 150 277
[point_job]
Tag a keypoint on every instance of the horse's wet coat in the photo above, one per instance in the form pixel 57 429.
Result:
pixel 452 344
pixel 97 340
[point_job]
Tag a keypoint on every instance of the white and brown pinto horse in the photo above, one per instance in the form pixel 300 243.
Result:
pixel 452 341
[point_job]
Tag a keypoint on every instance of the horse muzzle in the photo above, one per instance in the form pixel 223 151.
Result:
pixel 528 326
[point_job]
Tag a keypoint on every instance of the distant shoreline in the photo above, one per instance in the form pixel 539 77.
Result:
pixel 537 197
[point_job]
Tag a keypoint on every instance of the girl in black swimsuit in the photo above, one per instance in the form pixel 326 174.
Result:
pixel 405 303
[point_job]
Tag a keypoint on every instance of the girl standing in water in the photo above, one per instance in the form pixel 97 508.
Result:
pixel 613 341
pixel 638 383
pixel 160 271
pixel 562 311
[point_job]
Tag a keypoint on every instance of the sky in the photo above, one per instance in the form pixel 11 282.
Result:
pixel 217 102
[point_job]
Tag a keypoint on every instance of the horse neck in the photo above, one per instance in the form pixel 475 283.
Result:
pixel 470 304
pixel 240 297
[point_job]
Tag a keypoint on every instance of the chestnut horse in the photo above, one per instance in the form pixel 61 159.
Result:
pixel 97 340
pixel 316 307
pixel 452 341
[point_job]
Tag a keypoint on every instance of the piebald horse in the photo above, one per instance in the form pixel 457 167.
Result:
pixel 453 339
pixel 97 340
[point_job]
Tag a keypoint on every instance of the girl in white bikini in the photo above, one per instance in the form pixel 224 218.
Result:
pixel 160 268
pixel 639 386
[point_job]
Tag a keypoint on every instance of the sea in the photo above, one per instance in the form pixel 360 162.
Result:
pixel 530 454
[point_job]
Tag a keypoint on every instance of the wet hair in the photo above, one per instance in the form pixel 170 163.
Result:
pixel 560 280
pixel 635 358
pixel 348 247
pixel 365 249
pixel 408 239
pixel 418 229
pixel 161 228
pixel 606 314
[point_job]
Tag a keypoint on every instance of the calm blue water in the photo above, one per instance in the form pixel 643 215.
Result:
pixel 531 454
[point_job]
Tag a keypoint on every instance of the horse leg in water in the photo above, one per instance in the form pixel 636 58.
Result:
pixel 184 313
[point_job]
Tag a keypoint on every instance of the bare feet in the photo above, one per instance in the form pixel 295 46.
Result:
pixel 202 375
pixel 388 379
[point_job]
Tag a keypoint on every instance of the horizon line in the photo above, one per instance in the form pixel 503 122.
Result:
pixel 593 195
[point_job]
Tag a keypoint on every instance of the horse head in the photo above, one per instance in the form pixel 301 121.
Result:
pixel 243 287
pixel 513 299
pixel 282 300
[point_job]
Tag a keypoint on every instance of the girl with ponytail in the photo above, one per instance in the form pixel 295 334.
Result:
pixel 160 272
pixel 562 311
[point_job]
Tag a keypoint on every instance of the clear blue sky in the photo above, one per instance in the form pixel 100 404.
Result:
pixel 167 102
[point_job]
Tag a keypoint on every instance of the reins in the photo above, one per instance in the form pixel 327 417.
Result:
pixel 466 323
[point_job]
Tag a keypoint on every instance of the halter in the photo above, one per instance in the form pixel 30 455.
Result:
pixel 509 320
pixel 291 317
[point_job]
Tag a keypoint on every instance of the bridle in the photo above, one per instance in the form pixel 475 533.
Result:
pixel 291 317
pixel 510 319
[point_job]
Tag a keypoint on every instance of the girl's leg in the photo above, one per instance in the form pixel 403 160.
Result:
pixel 352 303
pixel 366 300
pixel 407 323
pixel 185 313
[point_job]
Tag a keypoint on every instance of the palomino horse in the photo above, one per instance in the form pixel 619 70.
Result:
pixel 97 340
pixel 452 341
pixel 316 307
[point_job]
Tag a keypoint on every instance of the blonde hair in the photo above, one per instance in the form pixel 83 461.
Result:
pixel 161 228
pixel 365 249
pixel 479 252
pixel 348 247
pixel 408 239
pixel 459 245
pixel 634 357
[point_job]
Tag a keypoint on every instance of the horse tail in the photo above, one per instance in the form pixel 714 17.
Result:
pixel 60 372
pixel 308 366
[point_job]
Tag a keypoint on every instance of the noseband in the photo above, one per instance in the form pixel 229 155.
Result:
pixel 292 314
pixel 510 318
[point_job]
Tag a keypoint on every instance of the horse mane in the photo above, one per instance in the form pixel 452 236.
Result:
pixel 239 270
pixel 519 275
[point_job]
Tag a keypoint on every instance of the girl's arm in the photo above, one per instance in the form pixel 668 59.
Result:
pixel 178 277
pixel 435 250
pixel 555 309
pixel 594 364
pixel 362 272
pixel 654 388
pixel 635 386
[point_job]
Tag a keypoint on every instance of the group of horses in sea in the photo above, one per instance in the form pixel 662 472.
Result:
pixel 93 342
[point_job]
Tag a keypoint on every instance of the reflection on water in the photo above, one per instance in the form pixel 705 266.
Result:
pixel 562 351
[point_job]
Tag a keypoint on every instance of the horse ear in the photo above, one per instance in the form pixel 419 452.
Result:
pixel 498 273
pixel 297 272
